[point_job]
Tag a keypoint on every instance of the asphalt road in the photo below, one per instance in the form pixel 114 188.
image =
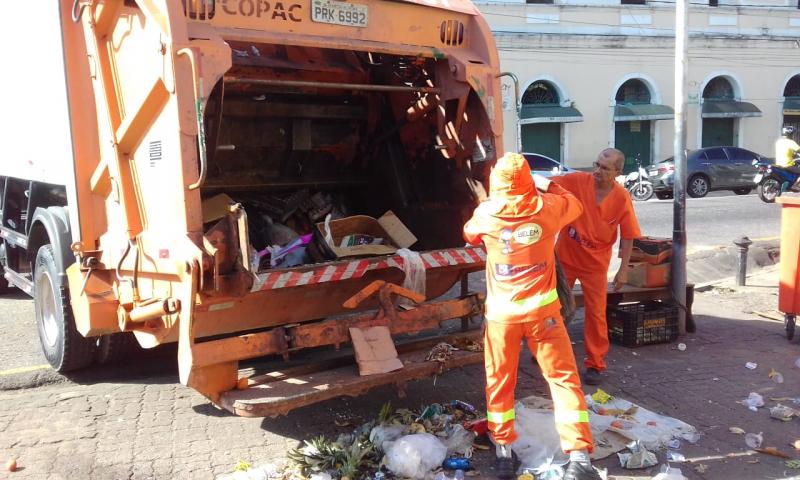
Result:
pixel 714 220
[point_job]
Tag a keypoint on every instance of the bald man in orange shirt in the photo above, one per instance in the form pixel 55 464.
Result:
pixel 584 248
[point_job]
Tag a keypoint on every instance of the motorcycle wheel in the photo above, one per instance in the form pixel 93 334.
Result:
pixel 769 189
pixel 641 192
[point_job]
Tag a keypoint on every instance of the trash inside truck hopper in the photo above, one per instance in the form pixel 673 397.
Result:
pixel 222 155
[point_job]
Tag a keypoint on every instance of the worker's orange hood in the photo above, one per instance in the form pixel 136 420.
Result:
pixel 512 192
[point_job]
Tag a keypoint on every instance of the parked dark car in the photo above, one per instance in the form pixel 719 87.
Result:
pixel 708 169
pixel 546 166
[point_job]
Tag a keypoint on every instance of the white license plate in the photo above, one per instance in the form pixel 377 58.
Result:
pixel 758 178
pixel 339 13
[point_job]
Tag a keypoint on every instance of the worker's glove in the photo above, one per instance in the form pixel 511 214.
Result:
pixel 542 183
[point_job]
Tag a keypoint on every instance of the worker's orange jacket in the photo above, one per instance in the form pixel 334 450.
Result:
pixel 518 226
pixel 585 243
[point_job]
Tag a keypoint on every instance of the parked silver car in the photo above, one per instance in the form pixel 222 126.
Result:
pixel 546 166
pixel 708 169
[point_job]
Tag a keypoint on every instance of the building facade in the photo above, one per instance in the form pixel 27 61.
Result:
pixel 600 73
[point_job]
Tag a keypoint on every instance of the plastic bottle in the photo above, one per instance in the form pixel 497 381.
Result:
pixel 456 463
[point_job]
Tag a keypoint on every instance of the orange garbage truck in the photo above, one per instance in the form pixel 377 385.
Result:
pixel 209 173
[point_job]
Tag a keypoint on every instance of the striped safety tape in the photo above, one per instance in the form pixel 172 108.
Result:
pixel 346 270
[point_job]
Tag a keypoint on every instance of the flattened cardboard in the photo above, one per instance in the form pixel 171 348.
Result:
pixel 375 351
pixel 400 235
pixel 216 207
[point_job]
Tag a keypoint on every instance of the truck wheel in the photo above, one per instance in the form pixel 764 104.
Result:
pixel 64 348
pixel 115 347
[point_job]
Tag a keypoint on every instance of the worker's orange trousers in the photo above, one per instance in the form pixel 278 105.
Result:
pixel 550 344
pixel 595 329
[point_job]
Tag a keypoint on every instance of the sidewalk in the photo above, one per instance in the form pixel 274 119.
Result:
pixel 149 426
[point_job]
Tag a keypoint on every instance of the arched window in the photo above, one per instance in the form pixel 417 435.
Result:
pixel 792 88
pixel 633 92
pixel 541 92
pixel 719 89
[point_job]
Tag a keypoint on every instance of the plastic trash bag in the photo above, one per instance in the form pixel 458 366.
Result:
pixel 459 441
pixel 669 473
pixel 538 445
pixel 382 435
pixel 753 401
pixel 414 269
pixel 413 456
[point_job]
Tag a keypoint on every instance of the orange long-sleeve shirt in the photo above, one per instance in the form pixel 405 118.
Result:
pixel 585 243
pixel 520 263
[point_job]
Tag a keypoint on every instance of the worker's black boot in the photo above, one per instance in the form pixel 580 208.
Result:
pixel 581 471
pixel 505 465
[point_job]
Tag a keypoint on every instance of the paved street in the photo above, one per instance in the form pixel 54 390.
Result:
pixel 717 219
pixel 136 421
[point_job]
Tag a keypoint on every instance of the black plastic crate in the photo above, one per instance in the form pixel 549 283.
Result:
pixel 642 323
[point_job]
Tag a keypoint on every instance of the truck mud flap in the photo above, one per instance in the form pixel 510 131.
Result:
pixel 277 393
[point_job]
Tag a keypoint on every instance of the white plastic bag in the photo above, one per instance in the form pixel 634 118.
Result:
pixel 414 269
pixel 413 456
pixel 669 473
pixel 382 435
pixel 538 444
pixel 459 441
pixel 753 401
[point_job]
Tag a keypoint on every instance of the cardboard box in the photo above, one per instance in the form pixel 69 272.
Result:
pixel 394 234
pixel 651 250
pixel 375 350
pixel 647 275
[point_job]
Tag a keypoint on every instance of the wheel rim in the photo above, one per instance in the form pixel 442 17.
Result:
pixel 770 188
pixel 47 309
pixel 699 186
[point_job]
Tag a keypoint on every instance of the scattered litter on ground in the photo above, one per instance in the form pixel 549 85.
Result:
pixel 772 451
pixel 600 396
pixel 11 465
pixel 701 468
pixel 783 413
pixel 674 444
pixel 639 457
pixel 751 365
pixel 669 473
pixel 413 456
pixel 736 430
pixel 691 437
pixel 753 401
pixel 676 457
pixel 754 440
pixel 775 376
pixel 796 444
pixel 264 472
pixel 794 464
pixel 682 347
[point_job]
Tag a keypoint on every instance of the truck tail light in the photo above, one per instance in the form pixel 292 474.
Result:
pixel 451 32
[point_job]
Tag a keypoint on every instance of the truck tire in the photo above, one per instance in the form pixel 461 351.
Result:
pixel 115 347
pixel 62 345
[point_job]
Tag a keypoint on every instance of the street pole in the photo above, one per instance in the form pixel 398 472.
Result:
pixel 679 189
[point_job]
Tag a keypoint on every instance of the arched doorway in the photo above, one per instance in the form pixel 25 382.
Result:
pixel 541 119
pixel 634 118
pixel 721 113
pixel 791 105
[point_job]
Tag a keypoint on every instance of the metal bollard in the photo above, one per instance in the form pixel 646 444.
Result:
pixel 741 270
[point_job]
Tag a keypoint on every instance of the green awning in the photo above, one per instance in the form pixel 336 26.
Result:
pixel 791 106
pixel 548 114
pixel 729 109
pixel 646 111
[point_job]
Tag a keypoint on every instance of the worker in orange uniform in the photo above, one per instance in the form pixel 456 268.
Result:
pixel 584 248
pixel 518 227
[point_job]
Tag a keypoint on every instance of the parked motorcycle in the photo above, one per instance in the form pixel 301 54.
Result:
pixel 770 178
pixel 638 183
